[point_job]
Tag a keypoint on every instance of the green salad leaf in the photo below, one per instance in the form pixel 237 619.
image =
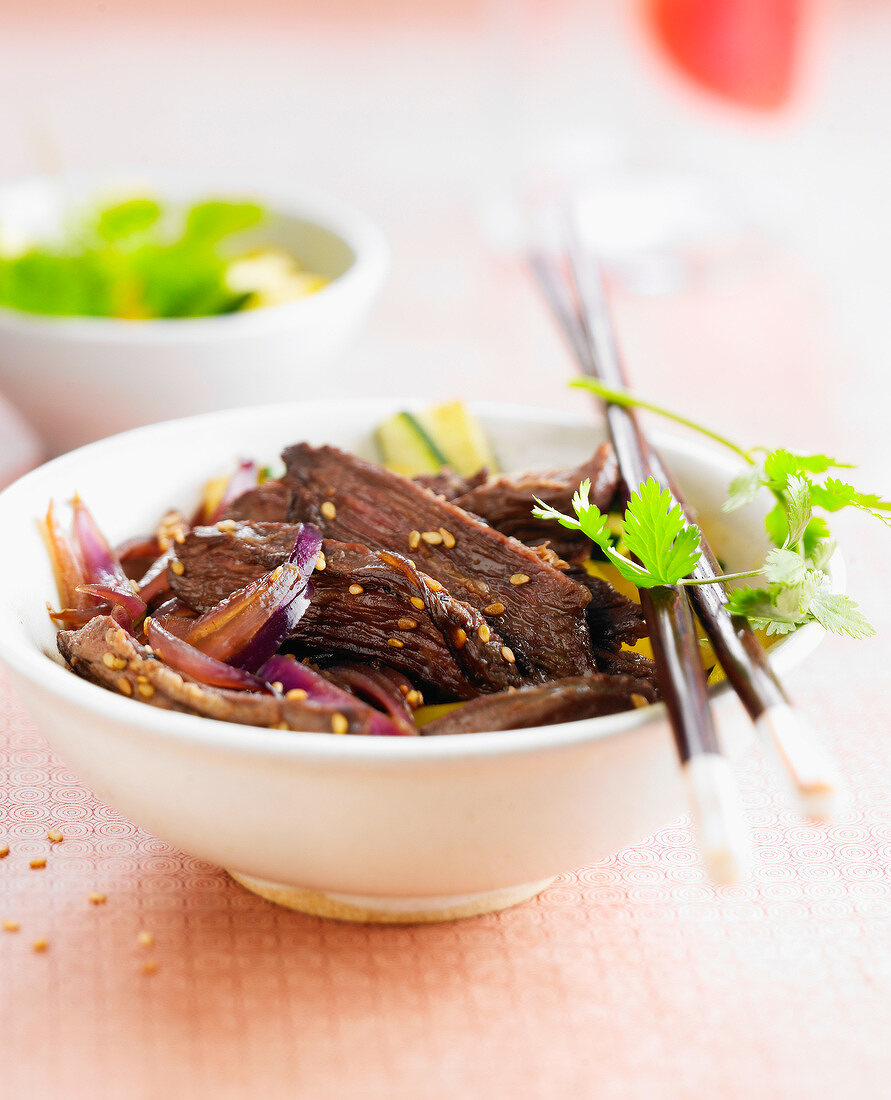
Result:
pixel 134 259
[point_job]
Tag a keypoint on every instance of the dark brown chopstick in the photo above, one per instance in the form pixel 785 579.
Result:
pixel 669 619
pixel 588 330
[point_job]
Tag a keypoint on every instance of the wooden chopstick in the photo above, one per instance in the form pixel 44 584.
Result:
pixel 711 785
pixel 737 649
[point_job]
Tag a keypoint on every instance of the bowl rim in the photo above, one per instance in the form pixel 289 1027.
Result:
pixel 46 674
pixel 353 227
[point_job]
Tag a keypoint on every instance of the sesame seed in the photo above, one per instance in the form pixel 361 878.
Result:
pixel 356 589
pixel 4 851
pixel 328 510
pixel 519 578
pixel 119 663
pixel 11 926
pixel 277 685
pixel 396 643
pixel 37 864
pixel 108 659
pixel 483 633
pixel 414 540
pixel 149 967
pixel 280 726
pixel 226 525
pixel 432 538
pixel 55 836
pixel 296 695
pixel 321 562
pixel 178 568
pixel 142 679
pixel 276 573
pixel 417 602
pixel 339 723
pixel 639 700
pixel 447 537
pixel 508 654
pixel 145 690
pixel 494 609
pixel 407 624
pixel 433 585
pixel 414 699
pixel 40 945
pixel 109 636
pixel 97 899
pixel 459 637
pixel 404 689
pixel 146 939
pixel 125 686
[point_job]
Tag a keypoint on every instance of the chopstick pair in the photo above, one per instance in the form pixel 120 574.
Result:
pixel 573 286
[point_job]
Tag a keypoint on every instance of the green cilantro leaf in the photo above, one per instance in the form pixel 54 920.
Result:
pixel 840 614
pixel 816 530
pixel 780 465
pixel 657 532
pixel 785 567
pixel 744 488
pixel 798 507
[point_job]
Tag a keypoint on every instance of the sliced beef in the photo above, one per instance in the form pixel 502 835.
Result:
pixel 107 655
pixel 269 502
pixel 546 704
pixel 219 559
pixel 369 604
pixel 448 484
pixel 538 611
pixel 624 662
pixel 506 502
pixel 612 618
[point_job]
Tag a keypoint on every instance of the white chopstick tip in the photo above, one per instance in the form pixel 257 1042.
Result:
pixel 722 830
pixel 818 785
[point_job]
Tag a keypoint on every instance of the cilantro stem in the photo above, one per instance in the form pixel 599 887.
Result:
pixel 690 581
pixel 629 400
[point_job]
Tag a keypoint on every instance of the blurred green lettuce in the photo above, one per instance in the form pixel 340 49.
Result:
pixel 133 259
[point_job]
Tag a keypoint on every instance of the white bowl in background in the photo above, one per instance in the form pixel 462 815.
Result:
pixel 77 379
pixel 370 828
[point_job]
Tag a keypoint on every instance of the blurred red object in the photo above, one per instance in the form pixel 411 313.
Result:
pixel 742 50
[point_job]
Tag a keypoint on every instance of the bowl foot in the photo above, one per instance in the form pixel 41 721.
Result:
pixel 396 910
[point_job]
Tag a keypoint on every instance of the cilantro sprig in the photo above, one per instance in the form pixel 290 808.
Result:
pixel 656 532
pixel 797 588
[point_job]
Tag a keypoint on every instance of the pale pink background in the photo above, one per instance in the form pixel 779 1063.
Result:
pixel 632 978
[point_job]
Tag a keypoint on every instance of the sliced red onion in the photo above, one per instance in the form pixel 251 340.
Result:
pixel 295 676
pixel 130 601
pixel 72 618
pixel 372 685
pixel 245 476
pixel 101 566
pixel 179 655
pixel 68 569
pixel 248 626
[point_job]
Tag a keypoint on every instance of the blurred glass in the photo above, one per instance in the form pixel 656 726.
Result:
pixel 743 51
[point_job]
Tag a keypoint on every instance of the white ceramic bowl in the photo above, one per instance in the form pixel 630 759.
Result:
pixel 363 827
pixel 80 378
